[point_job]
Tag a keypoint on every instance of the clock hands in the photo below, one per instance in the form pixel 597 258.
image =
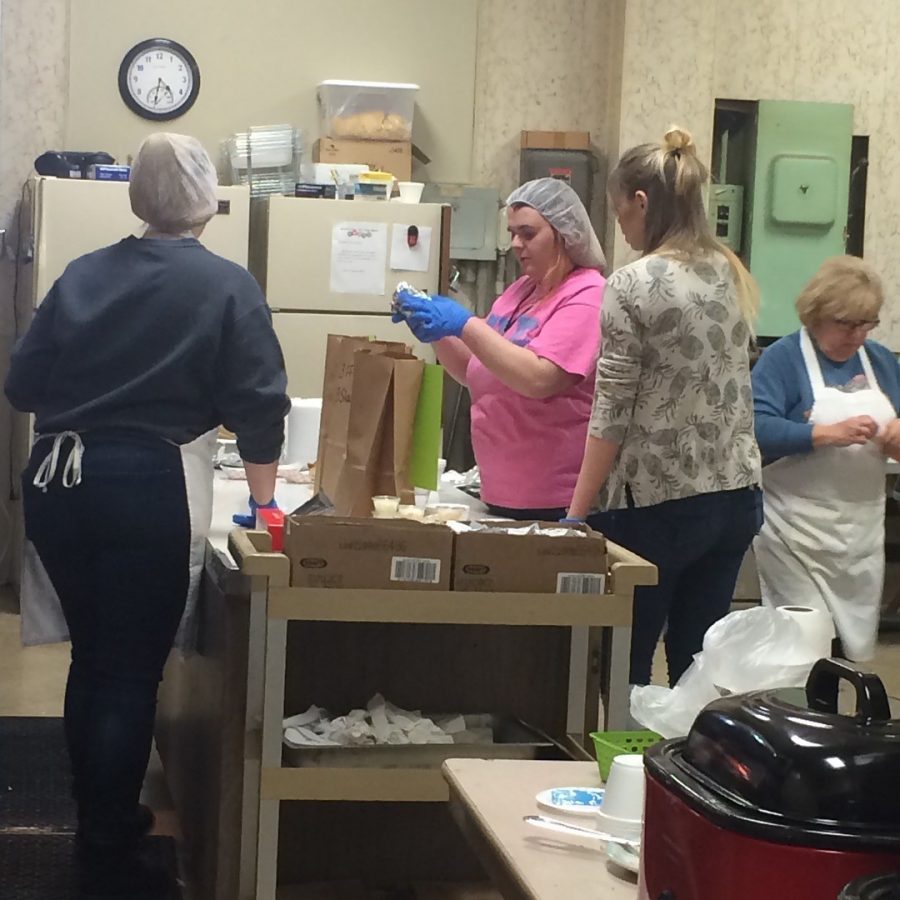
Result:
pixel 161 86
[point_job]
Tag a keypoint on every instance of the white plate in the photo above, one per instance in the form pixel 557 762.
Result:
pixel 574 801
pixel 623 857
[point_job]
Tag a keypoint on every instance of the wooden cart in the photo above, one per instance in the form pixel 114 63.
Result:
pixel 544 658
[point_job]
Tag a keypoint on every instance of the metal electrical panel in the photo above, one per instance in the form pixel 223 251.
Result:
pixel 575 167
pixel 797 201
pixel 726 209
pixel 473 224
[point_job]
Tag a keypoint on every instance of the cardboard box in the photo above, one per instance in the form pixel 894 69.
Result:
pixel 391 554
pixel 531 563
pixel 556 140
pixel 385 156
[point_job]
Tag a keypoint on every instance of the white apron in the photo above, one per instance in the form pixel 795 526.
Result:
pixel 43 621
pixel 822 542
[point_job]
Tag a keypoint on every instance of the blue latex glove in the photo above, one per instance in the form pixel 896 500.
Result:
pixel 431 320
pixel 567 520
pixel 246 521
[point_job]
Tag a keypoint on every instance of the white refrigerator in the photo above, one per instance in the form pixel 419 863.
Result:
pixel 71 217
pixel 331 266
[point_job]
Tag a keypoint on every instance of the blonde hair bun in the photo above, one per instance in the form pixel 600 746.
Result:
pixel 678 139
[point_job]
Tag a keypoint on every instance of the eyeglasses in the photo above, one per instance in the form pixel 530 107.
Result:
pixel 854 324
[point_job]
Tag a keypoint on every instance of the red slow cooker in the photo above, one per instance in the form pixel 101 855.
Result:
pixel 775 795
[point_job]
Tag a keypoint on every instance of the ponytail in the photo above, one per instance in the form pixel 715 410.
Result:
pixel 672 176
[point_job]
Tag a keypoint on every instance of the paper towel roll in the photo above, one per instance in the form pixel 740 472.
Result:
pixel 816 625
pixel 303 430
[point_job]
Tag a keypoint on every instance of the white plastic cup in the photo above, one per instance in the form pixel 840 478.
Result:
pixel 624 797
pixel 410 191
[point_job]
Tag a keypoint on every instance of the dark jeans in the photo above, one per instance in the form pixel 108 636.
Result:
pixel 526 515
pixel 116 548
pixel 697 544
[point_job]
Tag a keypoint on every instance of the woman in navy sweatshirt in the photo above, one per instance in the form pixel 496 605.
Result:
pixel 825 403
pixel 137 351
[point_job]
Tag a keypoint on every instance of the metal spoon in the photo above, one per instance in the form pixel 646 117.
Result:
pixel 578 831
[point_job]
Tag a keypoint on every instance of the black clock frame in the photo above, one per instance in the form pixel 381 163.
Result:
pixel 155 44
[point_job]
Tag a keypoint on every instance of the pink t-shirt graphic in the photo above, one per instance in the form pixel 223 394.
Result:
pixel 529 451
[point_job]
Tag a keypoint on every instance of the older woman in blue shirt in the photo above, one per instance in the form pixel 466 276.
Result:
pixel 825 402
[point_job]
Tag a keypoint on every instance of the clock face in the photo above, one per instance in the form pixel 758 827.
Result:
pixel 159 79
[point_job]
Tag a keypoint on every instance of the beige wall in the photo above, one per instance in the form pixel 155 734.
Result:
pixel 260 64
pixel 33 90
pixel 678 58
pixel 542 65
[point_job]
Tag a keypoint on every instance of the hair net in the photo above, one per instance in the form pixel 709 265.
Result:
pixel 560 206
pixel 173 183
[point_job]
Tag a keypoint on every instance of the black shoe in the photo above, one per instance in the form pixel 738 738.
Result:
pixel 106 873
pixel 142 825
pixel 144 820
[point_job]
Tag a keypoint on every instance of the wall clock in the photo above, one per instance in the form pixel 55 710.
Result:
pixel 159 79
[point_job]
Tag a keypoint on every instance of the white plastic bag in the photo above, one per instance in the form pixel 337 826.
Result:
pixel 671 711
pixel 759 648
pixel 43 621
pixel 747 650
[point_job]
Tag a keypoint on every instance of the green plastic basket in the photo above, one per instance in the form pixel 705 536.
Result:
pixel 609 744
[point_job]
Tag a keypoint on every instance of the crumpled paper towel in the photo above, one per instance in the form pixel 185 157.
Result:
pixel 381 722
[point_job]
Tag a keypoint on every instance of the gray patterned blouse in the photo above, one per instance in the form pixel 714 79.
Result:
pixel 673 382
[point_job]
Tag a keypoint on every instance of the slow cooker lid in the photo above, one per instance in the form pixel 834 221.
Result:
pixel 789 752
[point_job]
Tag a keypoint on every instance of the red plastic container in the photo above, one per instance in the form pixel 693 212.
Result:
pixel 273 522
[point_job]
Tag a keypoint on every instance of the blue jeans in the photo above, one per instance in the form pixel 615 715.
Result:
pixel 116 548
pixel 697 544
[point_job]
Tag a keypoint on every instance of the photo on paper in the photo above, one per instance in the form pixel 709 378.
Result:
pixel 410 248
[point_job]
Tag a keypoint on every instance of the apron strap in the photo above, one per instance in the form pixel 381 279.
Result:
pixel 867 368
pixel 71 476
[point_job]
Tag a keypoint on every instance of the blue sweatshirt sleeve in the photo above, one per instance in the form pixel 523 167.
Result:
pixel 252 384
pixel 32 360
pixel 777 392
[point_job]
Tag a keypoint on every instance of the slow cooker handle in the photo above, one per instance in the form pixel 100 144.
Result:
pixel 822 690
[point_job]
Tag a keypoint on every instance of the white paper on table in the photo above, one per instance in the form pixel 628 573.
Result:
pixel 358 257
pixel 406 258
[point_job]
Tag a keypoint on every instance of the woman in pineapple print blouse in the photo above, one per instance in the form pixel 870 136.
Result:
pixel 671 459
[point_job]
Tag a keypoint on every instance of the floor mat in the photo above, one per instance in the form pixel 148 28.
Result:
pixel 38 818
pixel 42 867
pixel 35 784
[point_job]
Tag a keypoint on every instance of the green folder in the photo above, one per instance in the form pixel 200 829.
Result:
pixel 426 445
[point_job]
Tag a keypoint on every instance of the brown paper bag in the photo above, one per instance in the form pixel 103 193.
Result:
pixel 337 391
pixel 384 396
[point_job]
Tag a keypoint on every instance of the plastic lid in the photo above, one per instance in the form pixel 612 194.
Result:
pixel 790 753
pixel 392 85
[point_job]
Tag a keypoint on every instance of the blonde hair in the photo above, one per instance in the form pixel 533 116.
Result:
pixel 844 287
pixel 676 224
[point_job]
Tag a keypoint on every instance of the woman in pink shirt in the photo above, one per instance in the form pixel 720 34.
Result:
pixel 529 366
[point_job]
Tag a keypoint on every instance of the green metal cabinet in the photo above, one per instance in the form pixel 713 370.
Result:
pixel 797 208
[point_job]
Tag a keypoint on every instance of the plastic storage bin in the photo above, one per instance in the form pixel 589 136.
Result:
pixel 367 110
pixel 610 744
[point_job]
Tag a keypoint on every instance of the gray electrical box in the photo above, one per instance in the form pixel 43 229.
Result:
pixel 473 224
pixel 726 210
pixel 575 167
